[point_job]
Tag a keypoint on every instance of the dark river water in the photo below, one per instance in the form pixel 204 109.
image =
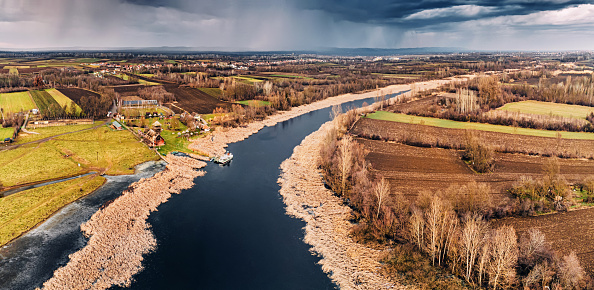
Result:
pixel 229 231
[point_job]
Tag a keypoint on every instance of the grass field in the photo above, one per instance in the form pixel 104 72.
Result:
pixel 101 149
pixel 24 210
pixel 172 143
pixel 402 118
pixel 215 92
pixel 116 152
pixel 6 133
pixel 147 75
pixel 49 131
pixel 16 102
pixel 291 77
pixel 547 108
pixel 140 81
pixel 63 100
pixel 45 102
pixel 247 79
pixel 36 163
pixel 254 103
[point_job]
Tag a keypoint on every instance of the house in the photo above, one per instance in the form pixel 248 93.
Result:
pixel 153 138
pixel 156 126
pixel 116 126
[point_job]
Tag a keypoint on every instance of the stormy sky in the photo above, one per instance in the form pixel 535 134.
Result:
pixel 298 24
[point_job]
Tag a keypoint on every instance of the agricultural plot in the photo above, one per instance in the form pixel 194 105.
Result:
pixel 193 100
pixel 248 80
pixel 292 77
pixel 454 138
pixel 254 103
pixel 63 100
pixel 16 102
pixel 547 108
pixel 567 232
pixel 46 103
pixel 215 92
pixel 76 94
pixel 435 122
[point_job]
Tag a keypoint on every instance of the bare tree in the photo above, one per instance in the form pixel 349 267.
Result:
pixel 381 190
pixel 346 160
pixel 571 273
pixel 471 241
pixel 504 257
pixel 434 220
pixel 417 226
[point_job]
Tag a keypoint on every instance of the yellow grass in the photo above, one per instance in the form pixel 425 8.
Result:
pixel 435 122
pixel 16 102
pixel 37 164
pixel 547 108
pixel 6 133
pixel 24 210
pixel 63 100
pixel 49 132
pixel 101 149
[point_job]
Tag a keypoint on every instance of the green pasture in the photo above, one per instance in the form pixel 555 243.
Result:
pixel 548 108
pixel 435 122
pixel 16 102
pixel 254 103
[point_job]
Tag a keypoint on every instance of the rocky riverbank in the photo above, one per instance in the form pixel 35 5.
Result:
pixel 119 234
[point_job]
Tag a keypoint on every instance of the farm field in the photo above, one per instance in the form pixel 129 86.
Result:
pixel 49 131
pixel 16 102
pixel 63 100
pixel 215 92
pixel 413 169
pixel 24 210
pixel 45 102
pixel 453 138
pixel 247 79
pixel 546 108
pixel 254 103
pixel 403 118
pixel 193 100
pixel 76 94
pixel 567 232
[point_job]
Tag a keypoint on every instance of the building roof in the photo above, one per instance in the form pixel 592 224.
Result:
pixel 116 124
pixel 157 124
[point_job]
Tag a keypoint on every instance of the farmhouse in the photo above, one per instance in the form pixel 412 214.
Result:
pixel 153 138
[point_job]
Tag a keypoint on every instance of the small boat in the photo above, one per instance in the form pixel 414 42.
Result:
pixel 223 159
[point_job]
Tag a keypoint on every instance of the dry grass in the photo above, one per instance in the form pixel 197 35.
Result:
pixel 16 102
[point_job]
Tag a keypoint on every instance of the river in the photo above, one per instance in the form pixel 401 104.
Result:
pixel 229 231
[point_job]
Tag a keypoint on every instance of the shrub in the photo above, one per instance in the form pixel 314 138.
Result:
pixel 479 155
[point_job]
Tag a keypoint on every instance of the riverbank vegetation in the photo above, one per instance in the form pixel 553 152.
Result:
pixel 450 228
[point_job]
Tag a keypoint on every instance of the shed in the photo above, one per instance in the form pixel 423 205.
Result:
pixel 116 126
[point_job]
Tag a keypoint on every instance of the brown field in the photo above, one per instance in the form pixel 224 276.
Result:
pixel 566 232
pixel 128 90
pixel 76 94
pixel 453 138
pixel 193 100
pixel 413 169
pixel 32 70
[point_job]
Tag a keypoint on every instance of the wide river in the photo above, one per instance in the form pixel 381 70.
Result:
pixel 229 231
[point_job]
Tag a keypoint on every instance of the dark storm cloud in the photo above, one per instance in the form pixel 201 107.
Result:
pixel 296 24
